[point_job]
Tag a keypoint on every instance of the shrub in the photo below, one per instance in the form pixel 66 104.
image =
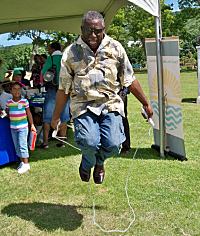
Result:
pixel 189 68
pixel 140 70
pixel 184 68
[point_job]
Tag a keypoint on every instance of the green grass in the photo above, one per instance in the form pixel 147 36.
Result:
pixel 50 199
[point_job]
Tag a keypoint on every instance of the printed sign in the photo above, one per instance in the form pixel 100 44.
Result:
pixel 172 92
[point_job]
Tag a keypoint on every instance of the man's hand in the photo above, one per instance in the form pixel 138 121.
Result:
pixel 148 110
pixel 54 123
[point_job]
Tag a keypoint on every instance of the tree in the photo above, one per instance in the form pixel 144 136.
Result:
pixel 43 39
pixel 188 3
pixel 116 28
pixel 16 56
pixel 132 23
pixel 189 9
pixel 64 38
pixel 35 35
pixel 119 30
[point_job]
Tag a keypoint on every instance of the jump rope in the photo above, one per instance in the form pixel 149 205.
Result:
pixel 54 135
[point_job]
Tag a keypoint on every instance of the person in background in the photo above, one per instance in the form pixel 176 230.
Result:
pixel 17 77
pixel 3 71
pixel 198 39
pixel 36 71
pixel 93 70
pixel 126 144
pixel 6 86
pixel 50 98
pixel 43 58
pixel 25 81
pixel 17 109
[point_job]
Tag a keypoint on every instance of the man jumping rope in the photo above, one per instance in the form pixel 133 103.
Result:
pixel 93 69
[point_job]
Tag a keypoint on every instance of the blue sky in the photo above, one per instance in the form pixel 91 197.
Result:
pixel 172 1
pixel 5 42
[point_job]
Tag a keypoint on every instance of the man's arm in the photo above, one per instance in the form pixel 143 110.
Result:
pixel 136 90
pixel 61 100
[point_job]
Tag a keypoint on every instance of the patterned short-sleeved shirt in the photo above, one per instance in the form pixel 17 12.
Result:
pixel 94 80
pixel 17 113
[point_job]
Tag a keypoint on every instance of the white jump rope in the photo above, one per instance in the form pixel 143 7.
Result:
pixel 54 135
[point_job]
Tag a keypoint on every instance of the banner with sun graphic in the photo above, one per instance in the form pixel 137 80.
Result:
pixel 172 92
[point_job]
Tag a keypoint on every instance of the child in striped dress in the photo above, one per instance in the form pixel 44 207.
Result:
pixel 18 111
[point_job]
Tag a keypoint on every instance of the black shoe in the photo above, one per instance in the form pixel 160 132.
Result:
pixel 84 174
pixel 98 174
pixel 125 151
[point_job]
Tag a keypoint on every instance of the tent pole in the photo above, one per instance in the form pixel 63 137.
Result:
pixel 160 89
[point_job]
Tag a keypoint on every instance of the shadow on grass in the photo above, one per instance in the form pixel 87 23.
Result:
pixel 189 100
pixel 46 216
pixel 144 153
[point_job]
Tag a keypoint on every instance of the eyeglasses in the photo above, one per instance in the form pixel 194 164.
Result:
pixel 90 31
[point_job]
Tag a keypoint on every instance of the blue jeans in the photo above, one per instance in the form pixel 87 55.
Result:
pixel 19 137
pixel 98 137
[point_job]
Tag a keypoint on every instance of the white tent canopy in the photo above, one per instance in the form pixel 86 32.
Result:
pixel 64 15
pixel 152 6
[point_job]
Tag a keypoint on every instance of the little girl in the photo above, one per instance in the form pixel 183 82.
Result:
pixel 18 111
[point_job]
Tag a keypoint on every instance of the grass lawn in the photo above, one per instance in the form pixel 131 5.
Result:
pixel 50 199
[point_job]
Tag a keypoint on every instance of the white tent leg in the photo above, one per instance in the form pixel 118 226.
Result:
pixel 160 91
pixel 198 57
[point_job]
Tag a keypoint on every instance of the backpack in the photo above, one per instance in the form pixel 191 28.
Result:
pixel 50 77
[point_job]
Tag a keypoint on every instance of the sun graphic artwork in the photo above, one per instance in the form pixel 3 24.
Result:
pixel 172 93
pixel 172 89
